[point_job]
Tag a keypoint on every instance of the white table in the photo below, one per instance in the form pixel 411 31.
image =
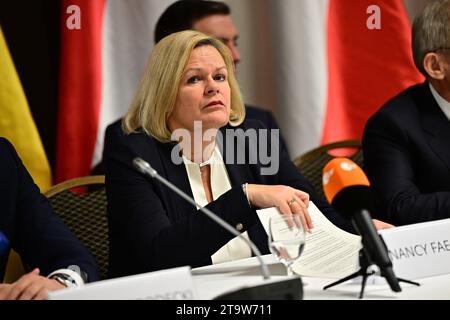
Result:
pixel 211 281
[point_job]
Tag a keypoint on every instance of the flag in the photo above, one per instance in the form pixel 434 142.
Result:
pixel 104 47
pixel 332 70
pixel 16 121
pixel 80 85
pixel 338 61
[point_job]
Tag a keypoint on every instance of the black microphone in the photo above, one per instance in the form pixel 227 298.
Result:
pixel 347 189
pixel 284 289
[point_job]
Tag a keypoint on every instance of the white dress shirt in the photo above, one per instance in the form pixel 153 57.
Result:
pixel 443 104
pixel 220 183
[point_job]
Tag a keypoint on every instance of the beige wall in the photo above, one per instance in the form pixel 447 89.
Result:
pixel 414 6
pixel 255 72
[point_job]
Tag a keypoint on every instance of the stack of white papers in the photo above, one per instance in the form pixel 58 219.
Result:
pixel 329 252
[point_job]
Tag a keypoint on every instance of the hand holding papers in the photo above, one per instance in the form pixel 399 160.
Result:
pixel 329 251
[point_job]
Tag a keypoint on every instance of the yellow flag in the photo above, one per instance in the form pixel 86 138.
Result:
pixel 16 121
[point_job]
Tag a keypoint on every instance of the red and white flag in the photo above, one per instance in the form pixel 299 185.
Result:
pixel 104 48
pixel 338 61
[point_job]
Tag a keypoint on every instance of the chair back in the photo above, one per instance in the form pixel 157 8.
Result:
pixel 81 205
pixel 312 162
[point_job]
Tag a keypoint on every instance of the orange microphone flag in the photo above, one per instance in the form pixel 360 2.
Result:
pixel 340 173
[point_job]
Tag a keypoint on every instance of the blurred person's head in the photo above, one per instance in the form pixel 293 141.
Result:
pixel 188 76
pixel 210 17
pixel 431 43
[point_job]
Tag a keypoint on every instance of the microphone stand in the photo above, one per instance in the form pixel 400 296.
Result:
pixel 154 174
pixel 291 288
pixel 364 263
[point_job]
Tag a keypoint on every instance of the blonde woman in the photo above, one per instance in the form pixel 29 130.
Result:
pixel 187 121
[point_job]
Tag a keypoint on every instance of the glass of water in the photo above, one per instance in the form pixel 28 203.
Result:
pixel 286 239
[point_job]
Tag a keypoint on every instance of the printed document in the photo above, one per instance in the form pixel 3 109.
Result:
pixel 329 252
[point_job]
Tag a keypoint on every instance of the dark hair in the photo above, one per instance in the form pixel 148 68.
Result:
pixel 181 15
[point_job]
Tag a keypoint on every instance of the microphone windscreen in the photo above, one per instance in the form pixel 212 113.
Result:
pixel 341 173
pixel 351 199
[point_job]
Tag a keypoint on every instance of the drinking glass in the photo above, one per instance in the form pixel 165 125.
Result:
pixel 286 239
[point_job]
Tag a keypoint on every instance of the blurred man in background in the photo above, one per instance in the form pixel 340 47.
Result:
pixel 406 143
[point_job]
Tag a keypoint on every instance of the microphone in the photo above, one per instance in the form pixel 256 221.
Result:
pixel 287 289
pixel 346 187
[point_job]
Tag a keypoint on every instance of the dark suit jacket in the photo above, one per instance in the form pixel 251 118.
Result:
pixel 407 158
pixel 27 220
pixel 252 112
pixel 152 228
pixel 267 119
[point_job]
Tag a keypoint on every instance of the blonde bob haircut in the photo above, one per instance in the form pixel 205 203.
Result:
pixel 158 89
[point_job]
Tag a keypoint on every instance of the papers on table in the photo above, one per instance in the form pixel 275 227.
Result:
pixel 329 252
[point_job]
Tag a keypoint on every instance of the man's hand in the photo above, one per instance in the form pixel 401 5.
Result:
pixel 380 225
pixel 31 286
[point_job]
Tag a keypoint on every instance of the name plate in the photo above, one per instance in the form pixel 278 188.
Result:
pixel 170 284
pixel 419 250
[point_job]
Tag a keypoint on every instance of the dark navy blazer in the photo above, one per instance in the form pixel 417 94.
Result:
pixel 152 228
pixel 267 119
pixel 407 158
pixel 251 112
pixel 27 220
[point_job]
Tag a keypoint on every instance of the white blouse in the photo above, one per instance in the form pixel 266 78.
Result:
pixel 220 183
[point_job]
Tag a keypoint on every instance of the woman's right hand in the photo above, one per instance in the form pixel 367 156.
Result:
pixel 288 200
